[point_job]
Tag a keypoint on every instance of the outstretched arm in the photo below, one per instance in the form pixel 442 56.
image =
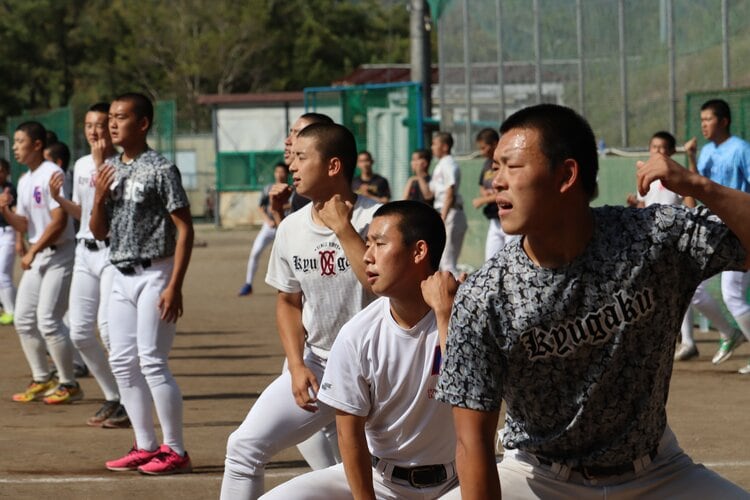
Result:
pixel 730 205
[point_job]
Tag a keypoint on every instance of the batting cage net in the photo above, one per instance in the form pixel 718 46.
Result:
pixel 59 120
pixel 243 171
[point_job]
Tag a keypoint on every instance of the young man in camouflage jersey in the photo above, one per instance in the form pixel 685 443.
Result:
pixel 574 324
pixel 141 204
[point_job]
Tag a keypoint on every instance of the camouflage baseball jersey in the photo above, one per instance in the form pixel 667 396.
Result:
pixel 146 191
pixel 582 354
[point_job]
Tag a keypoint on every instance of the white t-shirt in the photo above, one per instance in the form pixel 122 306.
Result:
pixel 35 202
pixel 445 175
pixel 382 371
pixel 84 187
pixel 308 258
pixel 657 193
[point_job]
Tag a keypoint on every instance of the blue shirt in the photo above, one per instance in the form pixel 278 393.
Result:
pixel 727 164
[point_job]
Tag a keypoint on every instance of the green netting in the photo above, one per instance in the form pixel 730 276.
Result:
pixel 385 120
pixel 243 171
pixel 162 134
pixel 59 120
pixel 739 104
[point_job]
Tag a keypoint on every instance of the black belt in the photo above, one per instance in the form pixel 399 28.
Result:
pixel 594 471
pixel 130 270
pixel 92 244
pixel 419 477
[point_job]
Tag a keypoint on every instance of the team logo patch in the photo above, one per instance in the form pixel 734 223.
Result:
pixel 327 262
pixel 38 195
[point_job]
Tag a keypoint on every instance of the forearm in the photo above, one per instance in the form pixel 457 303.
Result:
pixel 98 222
pixel 475 453
pixel 355 455
pixel 182 254
pixel 50 234
pixel 19 222
pixel 72 209
pixel 450 198
pixel 354 249
pixel 424 187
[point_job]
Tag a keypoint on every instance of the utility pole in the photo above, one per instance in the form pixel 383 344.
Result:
pixel 421 67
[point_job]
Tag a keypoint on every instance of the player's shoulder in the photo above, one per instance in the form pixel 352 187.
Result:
pixel 361 328
pixel 154 159
pixel 295 221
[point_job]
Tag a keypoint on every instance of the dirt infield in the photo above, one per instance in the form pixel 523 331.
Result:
pixel 225 353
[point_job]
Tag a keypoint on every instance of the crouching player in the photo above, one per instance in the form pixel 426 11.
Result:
pixel 396 440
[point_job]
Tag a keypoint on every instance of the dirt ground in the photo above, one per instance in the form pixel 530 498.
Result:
pixel 225 353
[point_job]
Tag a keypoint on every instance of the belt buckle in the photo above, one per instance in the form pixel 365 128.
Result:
pixel 426 476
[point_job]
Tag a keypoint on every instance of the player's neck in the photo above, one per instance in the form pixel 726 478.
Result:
pixel 34 163
pixel 561 245
pixel 721 138
pixel 365 176
pixel 408 311
pixel 318 202
pixel 131 152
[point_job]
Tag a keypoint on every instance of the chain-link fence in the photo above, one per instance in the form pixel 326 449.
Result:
pixel 627 65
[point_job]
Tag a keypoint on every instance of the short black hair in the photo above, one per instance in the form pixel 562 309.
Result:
pixel 334 141
pixel 666 136
pixel 100 107
pixel 281 164
pixel 59 152
pixel 365 152
pixel 564 134
pixel 142 106
pixel 720 108
pixel 35 131
pixel 317 118
pixel 425 154
pixel 488 136
pixel 418 221
pixel 445 138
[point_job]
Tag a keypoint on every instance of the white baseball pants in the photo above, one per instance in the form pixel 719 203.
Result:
pixel 496 239
pixel 7 258
pixel 40 306
pixel 140 342
pixel 672 474
pixel 274 423
pixel 455 230
pixel 89 299
pixel 331 484
pixel 265 237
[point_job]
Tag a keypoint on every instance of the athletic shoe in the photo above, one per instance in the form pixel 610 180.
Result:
pixel 35 390
pixel 685 352
pixel 134 459
pixel 6 318
pixel 745 370
pixel 106 411
pixel 246 289
pixel 118 420
pixel 65 393
pixel 167 462
pixel 727 347
pixel 80 371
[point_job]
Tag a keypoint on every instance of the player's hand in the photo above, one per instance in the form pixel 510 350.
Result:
pixel 477 202
pixel 98 149
pixel 691 146
pixel 305 388
pixel 438 292
pixel 335 213
pixel 27 259
pixel 6 199
pixel 631 200
pixel 105 177
pixel 278 196
pixel 672 175
pixel 55 184
pixel 170 305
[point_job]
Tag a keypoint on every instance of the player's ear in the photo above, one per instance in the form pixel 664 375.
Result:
pixel 335 166
pixel 567 172
pixel 421 251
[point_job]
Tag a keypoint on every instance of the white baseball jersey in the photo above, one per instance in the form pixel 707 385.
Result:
pixel 657 193
pixel 382 371
pixel 84 187
pixel 308 258
pixel 445 175
pixel 35 202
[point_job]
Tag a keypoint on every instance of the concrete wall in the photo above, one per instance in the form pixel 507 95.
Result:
pixel 196 159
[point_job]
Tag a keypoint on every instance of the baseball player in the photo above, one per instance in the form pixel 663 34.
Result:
pixel 92 272
pixel 574 325
pixel 725 159
pixel 7 250
pixel 396 439
pixel 140 204
pixel 47 264
pixel 487 142
pixel 444 185
pixel 267 230
pixel 316 264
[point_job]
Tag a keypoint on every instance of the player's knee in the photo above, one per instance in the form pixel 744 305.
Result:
pixel 125 369
pixel 243 453
pixel 81 341
pixel 155 370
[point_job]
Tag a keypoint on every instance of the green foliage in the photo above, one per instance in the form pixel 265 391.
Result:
pixel 76 52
